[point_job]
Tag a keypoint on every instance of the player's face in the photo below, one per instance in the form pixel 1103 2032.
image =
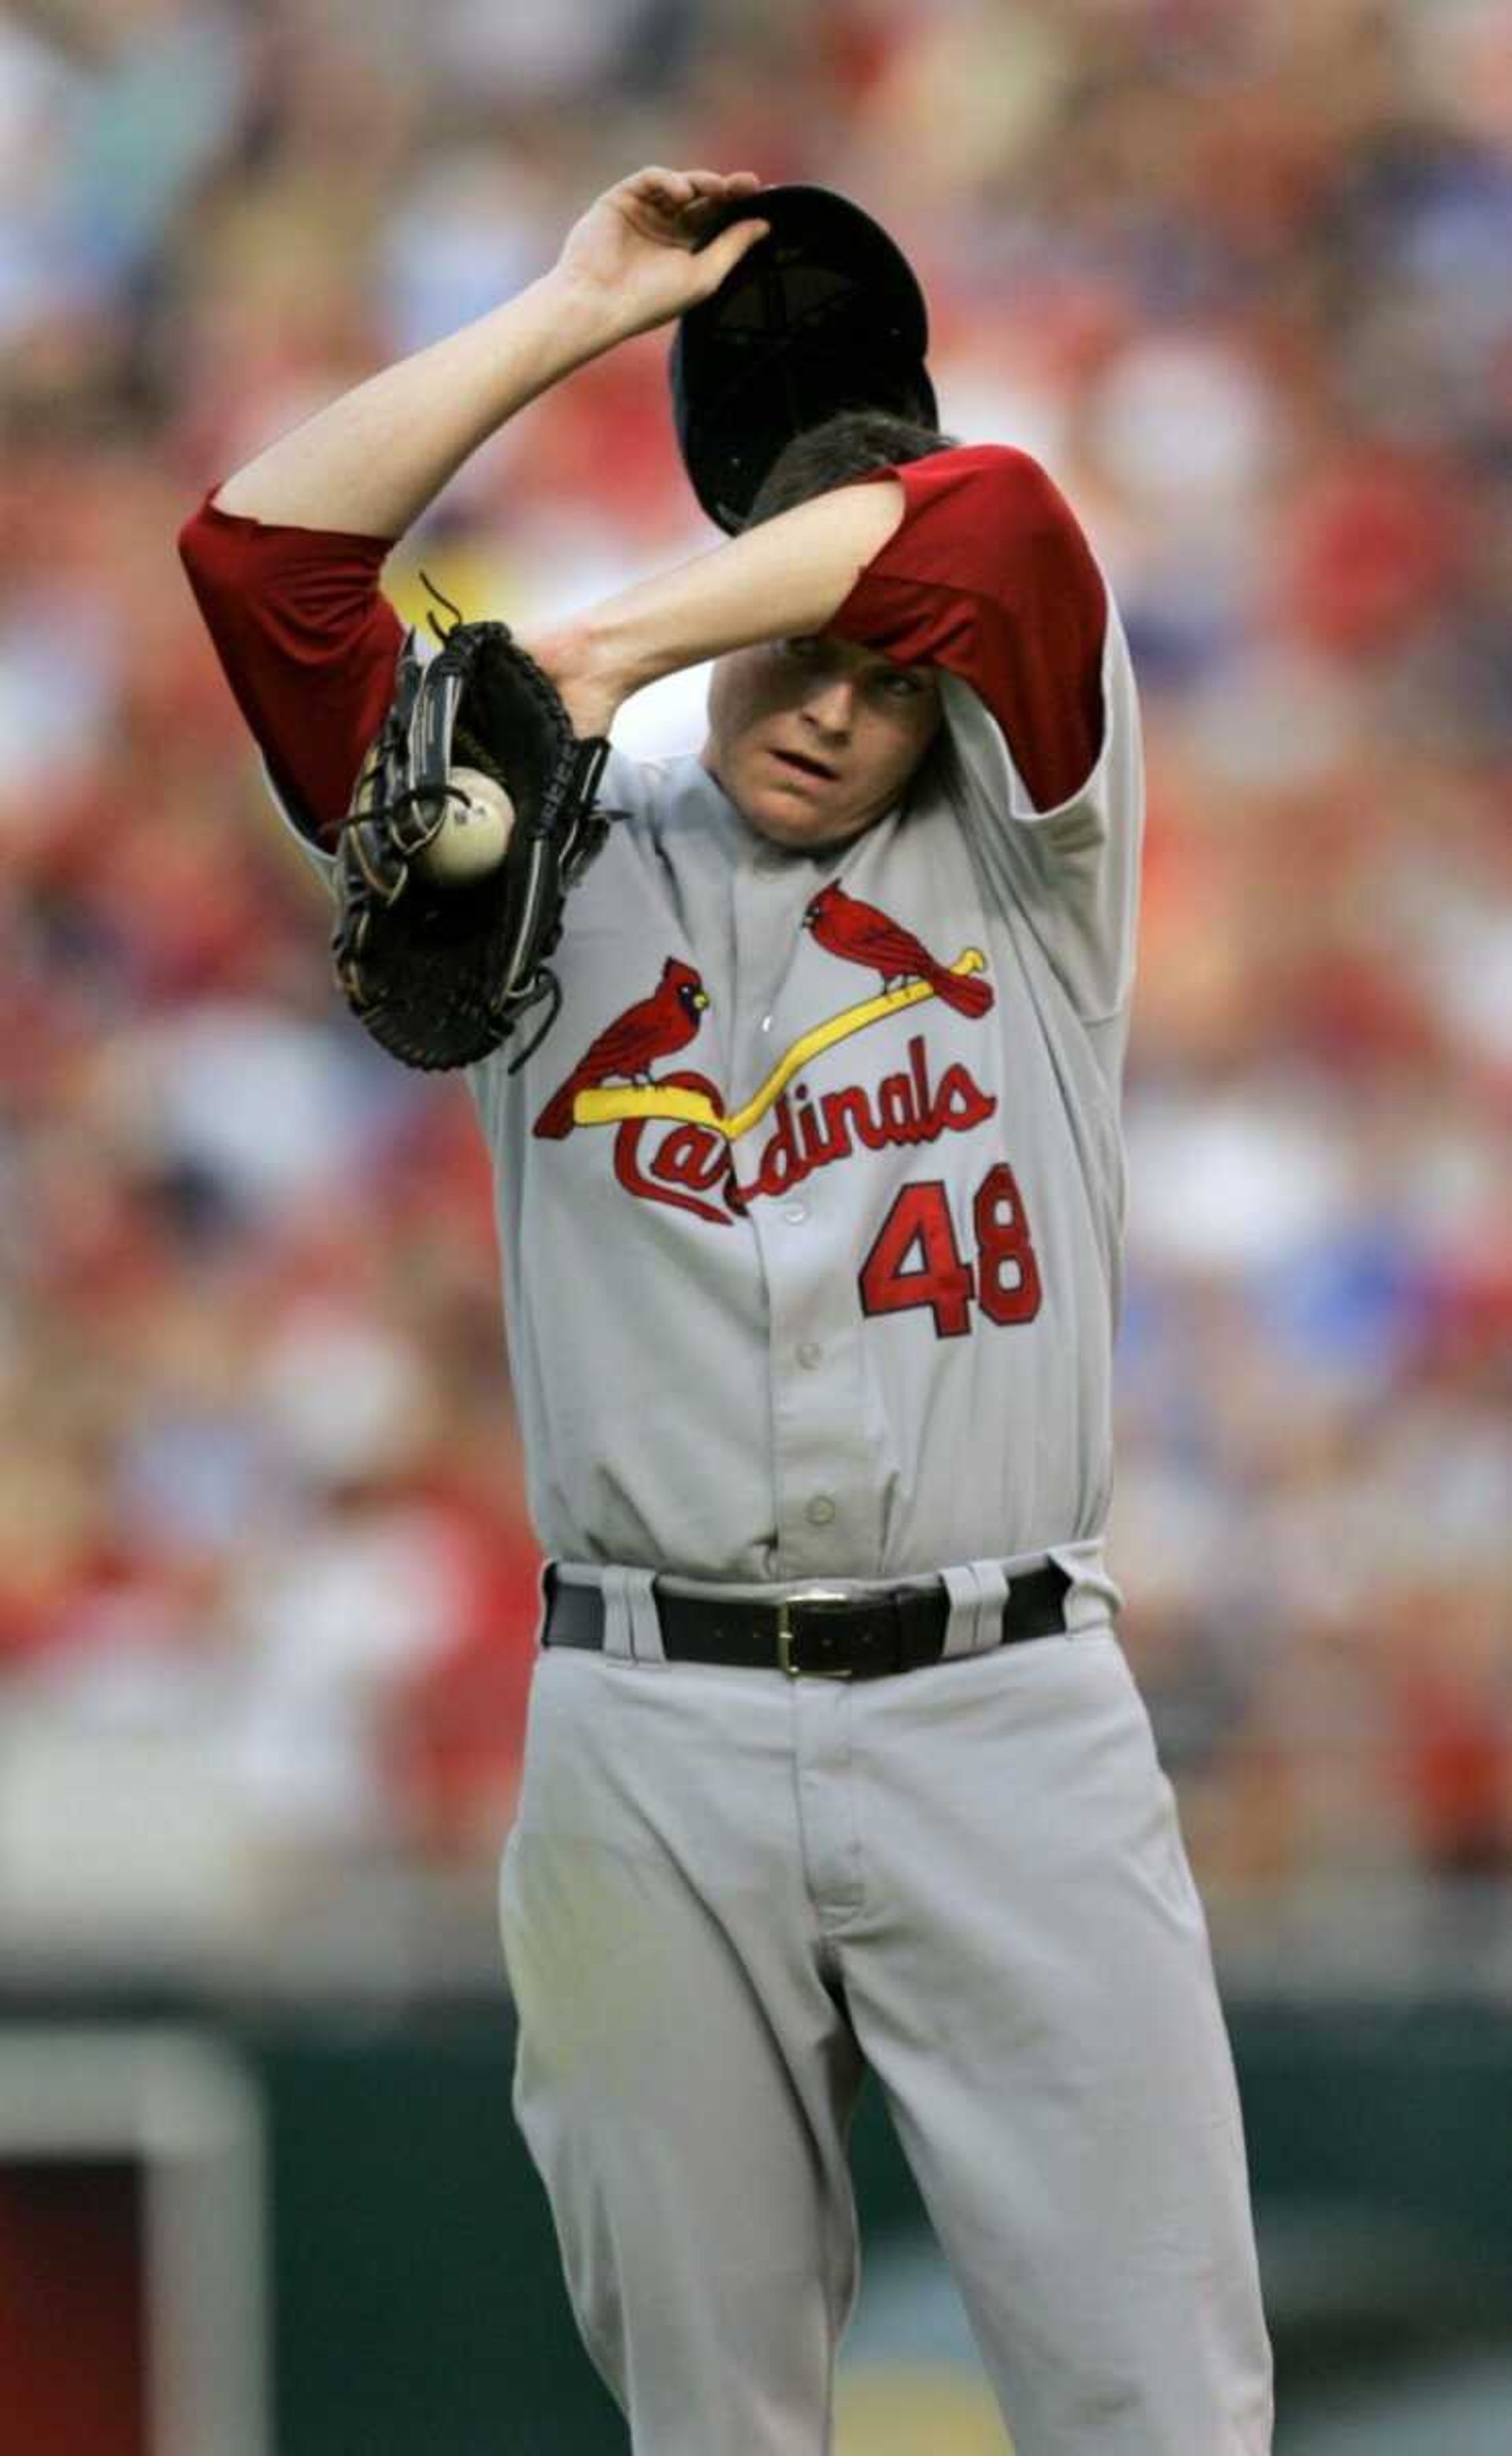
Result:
pixel 813 739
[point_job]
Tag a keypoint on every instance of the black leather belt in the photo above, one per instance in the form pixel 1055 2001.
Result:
pixel 818 1633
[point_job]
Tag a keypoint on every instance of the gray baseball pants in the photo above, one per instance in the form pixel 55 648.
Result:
pixel 727 1891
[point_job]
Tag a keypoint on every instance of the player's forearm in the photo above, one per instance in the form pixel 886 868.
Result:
pixel 372 462
pixel 780 580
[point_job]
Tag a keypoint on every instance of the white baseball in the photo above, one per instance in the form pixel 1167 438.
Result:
pixel 474 836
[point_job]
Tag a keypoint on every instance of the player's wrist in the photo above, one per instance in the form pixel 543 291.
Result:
pixel 590 689
pixel 595 314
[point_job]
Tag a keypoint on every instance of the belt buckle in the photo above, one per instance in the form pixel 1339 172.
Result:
pixel 784 1634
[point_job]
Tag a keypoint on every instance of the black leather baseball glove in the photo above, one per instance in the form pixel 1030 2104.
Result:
pixel 442 974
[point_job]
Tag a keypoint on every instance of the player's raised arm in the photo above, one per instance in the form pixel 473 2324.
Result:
pixel 371 462
pixel 785 579
pixel 285 557
pixel 994 581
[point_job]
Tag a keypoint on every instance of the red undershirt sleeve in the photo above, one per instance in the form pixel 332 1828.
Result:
pixel 988 576
pixel 308 643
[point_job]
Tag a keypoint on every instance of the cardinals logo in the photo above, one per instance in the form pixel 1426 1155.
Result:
pixel 863 934
pixel 660 1025
pixel 693 1166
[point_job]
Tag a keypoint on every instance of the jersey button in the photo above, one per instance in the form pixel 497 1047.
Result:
pixel 820 1510
pixel 809 1353
pixel 795 1213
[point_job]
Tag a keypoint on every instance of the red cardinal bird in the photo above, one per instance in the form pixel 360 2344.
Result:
pixel 863 934
pixel 667 1020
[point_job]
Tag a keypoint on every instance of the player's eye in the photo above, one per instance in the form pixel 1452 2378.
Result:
pixel 806 649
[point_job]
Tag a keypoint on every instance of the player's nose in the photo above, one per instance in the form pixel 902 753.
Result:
pixel 831 705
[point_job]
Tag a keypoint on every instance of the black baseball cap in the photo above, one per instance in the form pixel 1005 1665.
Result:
pixel 823 314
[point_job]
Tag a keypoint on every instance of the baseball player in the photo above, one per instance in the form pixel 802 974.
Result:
pixel 810 1203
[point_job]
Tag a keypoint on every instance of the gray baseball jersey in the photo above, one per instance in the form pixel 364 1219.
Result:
pixel 809 1204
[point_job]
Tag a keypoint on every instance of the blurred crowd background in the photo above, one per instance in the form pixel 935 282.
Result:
pixel 1238 271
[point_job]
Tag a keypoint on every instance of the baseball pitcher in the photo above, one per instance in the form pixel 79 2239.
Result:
pixel 798 1057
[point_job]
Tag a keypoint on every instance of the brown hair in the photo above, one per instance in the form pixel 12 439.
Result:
pixel 844 447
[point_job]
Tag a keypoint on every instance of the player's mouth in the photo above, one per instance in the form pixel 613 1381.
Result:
pixel 799 764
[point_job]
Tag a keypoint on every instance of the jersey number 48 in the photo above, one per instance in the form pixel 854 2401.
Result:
pixel 1003 1279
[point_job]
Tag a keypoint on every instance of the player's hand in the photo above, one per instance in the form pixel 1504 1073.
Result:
pixel 591 694
pixel 635 252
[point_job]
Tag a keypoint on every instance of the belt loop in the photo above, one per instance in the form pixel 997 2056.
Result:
pixel 978 1590
pixel 619 1627
pixel 642 1615
pixel 632 1633
pixel 1093 1599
